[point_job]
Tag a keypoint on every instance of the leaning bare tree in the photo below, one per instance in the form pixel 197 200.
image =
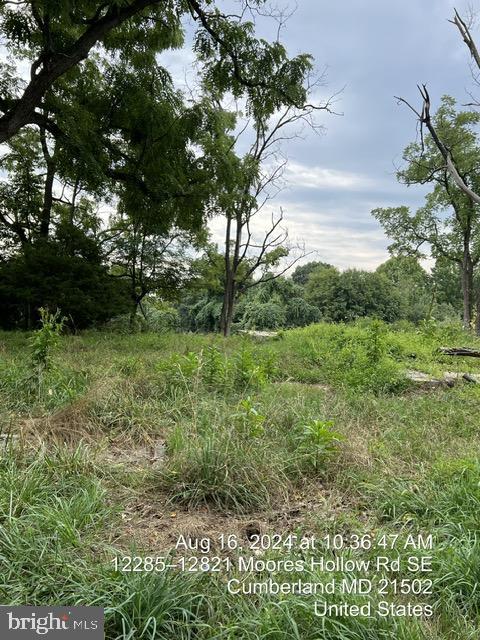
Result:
pixel 425 118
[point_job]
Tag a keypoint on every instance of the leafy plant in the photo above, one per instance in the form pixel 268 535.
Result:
pixel 317 441
pixel 375 344
pixel 209 367
pixel 45 339
pixel 250 371
pixel 251 420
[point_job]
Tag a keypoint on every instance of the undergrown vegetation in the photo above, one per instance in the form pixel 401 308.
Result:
pixel 321 422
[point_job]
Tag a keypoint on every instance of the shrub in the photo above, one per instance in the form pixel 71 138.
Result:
pixel 263 315
pixel 46 338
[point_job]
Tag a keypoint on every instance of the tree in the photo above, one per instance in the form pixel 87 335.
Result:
pixel 148 259
pixel 449 222
pixel 51 254
pixel 247 183
pixel 302 273
pixel 425 118
pixel 274 304
pixel 352 294
pixel 65 272
pixel 447 282
pixel 201 300
pixel 56 38
pixel 413 286
pixel 100 119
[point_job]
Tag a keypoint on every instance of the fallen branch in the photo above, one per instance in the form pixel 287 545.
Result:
pixel 460 351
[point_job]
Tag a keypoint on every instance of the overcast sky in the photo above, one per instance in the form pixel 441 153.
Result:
pixel 375 50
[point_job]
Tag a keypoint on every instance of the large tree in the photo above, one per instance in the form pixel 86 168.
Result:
pixel 56 37
pixel 147 259
pixel 352 294
pixel 449 221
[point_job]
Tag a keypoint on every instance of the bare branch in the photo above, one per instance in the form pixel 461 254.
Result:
pixel 464 30
pixel 425 119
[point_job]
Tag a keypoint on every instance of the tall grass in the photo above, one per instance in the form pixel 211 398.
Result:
pixel 321 419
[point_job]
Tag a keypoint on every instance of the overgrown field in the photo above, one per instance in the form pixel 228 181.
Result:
pixel 123 443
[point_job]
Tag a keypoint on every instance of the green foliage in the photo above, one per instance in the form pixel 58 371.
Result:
pixel 263 315
pixel 317 442
pixel 363 356
pixel 45 339
pixel 375 343
pixel 63 274
pixel 251 419
pixel 445 503
pixel 302 273
pixel 156 317
pixel 276 304
pixel 382 463
pixel 222 469
pixel 416 290
pixel 210 367
pixel 352 294
pixel 53 508
pixel 252 371
pixel 447 224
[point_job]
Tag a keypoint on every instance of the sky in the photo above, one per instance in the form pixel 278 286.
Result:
pixel 373 51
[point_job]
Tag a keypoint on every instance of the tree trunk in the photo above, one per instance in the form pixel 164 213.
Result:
pixel 133 315
pixel 228 306
pixel 231 271
pixel 477 314
pixel 46 214
pixel 467 284
pixel 47 203
pixel 225 326
pixel 23 110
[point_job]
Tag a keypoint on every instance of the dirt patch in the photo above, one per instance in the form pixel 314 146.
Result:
pixel 151 455
pixel 154 524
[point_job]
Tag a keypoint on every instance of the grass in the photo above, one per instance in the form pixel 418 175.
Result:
pixel 321 424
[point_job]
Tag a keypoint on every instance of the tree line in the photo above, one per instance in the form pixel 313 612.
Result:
pixel 111 174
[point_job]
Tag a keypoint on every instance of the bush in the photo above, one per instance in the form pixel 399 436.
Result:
pixel 263 315
pixel 317 442
pixel 157 318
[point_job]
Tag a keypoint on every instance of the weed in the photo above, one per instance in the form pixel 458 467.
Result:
pixel 45 339
pixel 251 420
pixel 223 471
pixel 317 441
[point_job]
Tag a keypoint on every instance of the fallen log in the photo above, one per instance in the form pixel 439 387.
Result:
pixel 259 335
pixel 460 351
pixel 448 379
pixel 471 378
pixel 426 381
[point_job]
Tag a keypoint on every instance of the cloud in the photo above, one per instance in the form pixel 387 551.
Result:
pixel 321 178
pixel 332 235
